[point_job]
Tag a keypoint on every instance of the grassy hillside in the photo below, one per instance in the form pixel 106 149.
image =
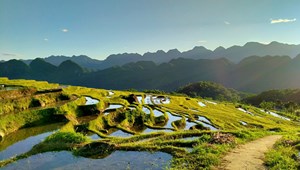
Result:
pixel 196 132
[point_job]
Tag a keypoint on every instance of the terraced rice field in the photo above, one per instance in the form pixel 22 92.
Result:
pixel 49 125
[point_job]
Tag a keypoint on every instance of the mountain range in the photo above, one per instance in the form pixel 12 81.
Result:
pixel 234 54
pixel 252 74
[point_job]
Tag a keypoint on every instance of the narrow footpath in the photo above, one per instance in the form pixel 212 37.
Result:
pixel 250 155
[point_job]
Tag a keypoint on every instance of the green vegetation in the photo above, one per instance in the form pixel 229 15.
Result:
pixel 212 90
pixel 151 121
pixel 286 101
pixel 285 154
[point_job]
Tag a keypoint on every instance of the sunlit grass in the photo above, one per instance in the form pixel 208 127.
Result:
pixel 131 118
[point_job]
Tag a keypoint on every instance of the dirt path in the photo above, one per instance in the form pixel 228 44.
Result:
pixel 250 155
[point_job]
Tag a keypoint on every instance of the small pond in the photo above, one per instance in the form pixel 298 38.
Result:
pixel 191 124
pixel 204 119
pixel 201 104
pixel 277 115
pixel 23 140
pixel 156 100
pixel 114 106
pixel 157 113
pixel 245 111
pixel 146 110
pixel 120 133
pixel 172 118
pixel 116 160
pixel 211 102
pixel 147 100
pixel 8 88
pixel 94 137
pixel 243 123
pixel 91 101
pixel 111 93
pixel 149 130
pixel 140 99
pixel 166 100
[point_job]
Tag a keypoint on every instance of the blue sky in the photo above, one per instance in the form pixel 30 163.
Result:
pixel 98 28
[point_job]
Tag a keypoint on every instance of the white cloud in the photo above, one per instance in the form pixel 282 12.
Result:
pixel 65 30
pixel 276 21
pixel 226 22
pixel 46 39
pixel 202 41
pixel 9 54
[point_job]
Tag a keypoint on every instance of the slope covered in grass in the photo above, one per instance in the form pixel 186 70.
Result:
pixel 196 132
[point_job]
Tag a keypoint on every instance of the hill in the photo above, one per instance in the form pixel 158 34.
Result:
pixel 280 98
pixel 212 90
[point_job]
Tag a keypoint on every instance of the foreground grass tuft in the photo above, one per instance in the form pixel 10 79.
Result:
pixel 285 154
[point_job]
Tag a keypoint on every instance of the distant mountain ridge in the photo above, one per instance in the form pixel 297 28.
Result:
pixel 234 54
pixel 82 60
pixel 253 74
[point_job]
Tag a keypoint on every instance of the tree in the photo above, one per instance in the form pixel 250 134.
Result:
pixel 267 105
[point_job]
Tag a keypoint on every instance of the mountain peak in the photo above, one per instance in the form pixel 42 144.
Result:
pixel 275 43
pixel 219 49
pixel 160 52
pixel 252 44
pixel 199 48
pixel 175 50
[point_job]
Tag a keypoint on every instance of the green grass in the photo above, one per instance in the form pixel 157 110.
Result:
pixel 285 154
pixel 206 152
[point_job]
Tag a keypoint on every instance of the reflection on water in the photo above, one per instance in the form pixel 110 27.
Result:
pixel 166 100
pixel 204 119
pixel 208 126
pixel 23 140
pixel 139 98
pixel 172 118
pixel 245 111
pixel 190 138
pixel 8 88
pixel 279 116
pixel 111 93
pixel 120 133
pixel 188 125
pixel 95 137
pixel 201 104
pixel 156 100
pixel 147 100
pixel 117 160
pixel 91 101
pixel 157 113
pixel 243 123
pixel 146 110
pixel 149 130
pixel 114 106
pixel 207 101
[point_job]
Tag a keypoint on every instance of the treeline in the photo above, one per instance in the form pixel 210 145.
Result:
pixel 215 91
pixel 287 100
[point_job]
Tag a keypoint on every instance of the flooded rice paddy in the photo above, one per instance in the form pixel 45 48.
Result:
pixel 116 160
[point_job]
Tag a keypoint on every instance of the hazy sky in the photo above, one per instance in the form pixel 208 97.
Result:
pixel 98 28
